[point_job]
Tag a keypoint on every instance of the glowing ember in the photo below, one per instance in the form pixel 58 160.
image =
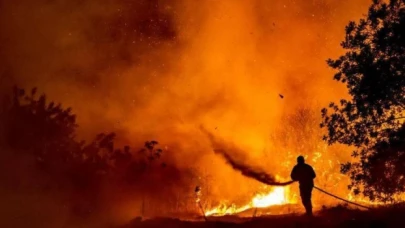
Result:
pixel 225 210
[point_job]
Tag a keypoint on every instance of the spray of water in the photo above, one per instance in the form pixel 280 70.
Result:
pixel 225 150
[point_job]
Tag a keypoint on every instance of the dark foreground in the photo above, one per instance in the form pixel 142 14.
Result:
pixel 332 217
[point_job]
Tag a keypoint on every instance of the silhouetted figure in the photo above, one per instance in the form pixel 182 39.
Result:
pixel 304 174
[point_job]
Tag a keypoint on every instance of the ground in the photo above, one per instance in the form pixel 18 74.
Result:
pixel 332 217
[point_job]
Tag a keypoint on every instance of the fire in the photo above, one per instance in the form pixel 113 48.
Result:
pixel 278 196
pixel 328 178
pixel 275 196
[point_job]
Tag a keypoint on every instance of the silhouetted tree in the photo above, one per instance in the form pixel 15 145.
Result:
pixel 45 131
pixel 33 126
pixel 372 120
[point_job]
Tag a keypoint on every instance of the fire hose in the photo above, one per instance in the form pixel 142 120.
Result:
pixel 321 190
pixel 285 184
pixel 337 197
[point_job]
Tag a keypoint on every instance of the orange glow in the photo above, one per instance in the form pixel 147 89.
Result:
pixel 223 68
pixel 278 196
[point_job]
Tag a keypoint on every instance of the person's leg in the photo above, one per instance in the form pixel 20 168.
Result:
pixel 310 200
pixel 306 200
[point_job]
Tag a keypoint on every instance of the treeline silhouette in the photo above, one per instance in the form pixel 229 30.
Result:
pixel 372 120
pixel 44 133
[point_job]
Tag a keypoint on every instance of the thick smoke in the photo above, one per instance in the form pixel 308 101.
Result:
pixel 151 69
pixel 252 172
pixel 221 148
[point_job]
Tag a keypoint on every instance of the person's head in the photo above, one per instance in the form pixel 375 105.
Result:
pixel 300 160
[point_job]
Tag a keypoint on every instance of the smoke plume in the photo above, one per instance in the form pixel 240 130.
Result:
pixel 252 172
pixel 220 147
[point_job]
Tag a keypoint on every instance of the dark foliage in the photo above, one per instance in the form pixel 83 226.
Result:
pixel 372 120
pixel 45 131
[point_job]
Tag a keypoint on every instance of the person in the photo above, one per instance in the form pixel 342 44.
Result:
pixel 305 175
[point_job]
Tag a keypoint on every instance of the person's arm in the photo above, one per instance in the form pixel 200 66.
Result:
pixel 294 174
pixel 313 173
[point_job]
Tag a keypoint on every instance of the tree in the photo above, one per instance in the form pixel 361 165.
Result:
pixel 372 120
pixel 45 132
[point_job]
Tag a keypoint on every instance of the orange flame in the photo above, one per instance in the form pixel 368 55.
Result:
pixel 276 196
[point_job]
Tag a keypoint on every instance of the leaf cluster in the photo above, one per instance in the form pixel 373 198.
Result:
pixel 372 119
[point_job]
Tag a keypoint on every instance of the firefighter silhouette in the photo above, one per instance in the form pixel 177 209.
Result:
pixel 304 174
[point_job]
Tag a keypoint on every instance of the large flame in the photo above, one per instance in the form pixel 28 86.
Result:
pixel 274 196
pixel 278 196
